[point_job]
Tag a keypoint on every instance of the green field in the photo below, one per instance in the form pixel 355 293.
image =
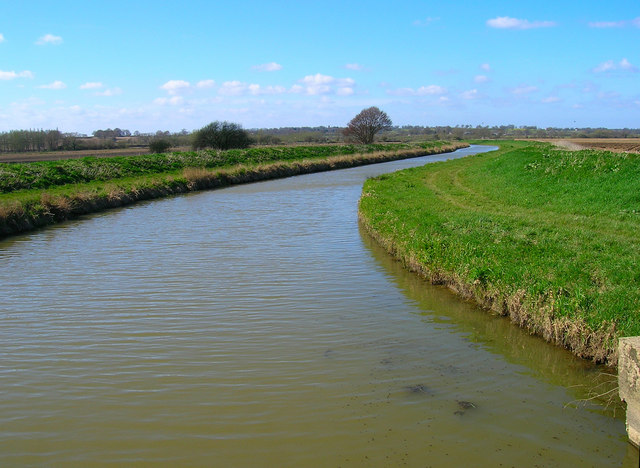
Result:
pixel 40 193
pixel 549 237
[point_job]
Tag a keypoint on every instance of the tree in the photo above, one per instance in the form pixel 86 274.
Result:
pixel 364 126
pixel 221 135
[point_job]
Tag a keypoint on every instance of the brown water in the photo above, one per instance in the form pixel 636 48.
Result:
pixel 256 326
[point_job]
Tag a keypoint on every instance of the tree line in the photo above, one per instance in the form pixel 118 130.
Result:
pixel 54 140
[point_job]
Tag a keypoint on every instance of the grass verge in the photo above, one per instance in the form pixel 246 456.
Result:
pixel 24 210
pixel 549 237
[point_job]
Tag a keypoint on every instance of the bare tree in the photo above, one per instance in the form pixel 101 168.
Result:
pixel 364 126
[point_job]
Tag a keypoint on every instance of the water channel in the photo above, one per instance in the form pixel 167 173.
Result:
pixel 257 326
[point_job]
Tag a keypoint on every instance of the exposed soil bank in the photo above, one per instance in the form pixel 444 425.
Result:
pixel 45 207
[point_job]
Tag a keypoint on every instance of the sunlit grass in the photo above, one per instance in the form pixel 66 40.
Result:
pixel 550 237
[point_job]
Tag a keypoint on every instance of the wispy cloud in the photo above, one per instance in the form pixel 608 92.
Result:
pixel 91 85
pixel 431 90
pixel 523 90
pixel 481 79
pixel 109 92
pixel 610 65
pixel 11 75
pixel 551 99
pixel 425 22
pixel 49 39
pixel 486 67
pixel 506 22
pixel 55 85
pixel 354 66
pixel 616 24
pixel 268 67
pixel 470 94
pixel 172 101
pixel 2 39
pixel 240 88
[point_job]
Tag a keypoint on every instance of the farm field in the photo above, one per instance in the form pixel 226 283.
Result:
pixel 617 145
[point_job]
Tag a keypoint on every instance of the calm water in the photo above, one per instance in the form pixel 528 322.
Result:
pixel 256 326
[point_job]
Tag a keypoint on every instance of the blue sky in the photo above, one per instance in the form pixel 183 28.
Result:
pixel 142 65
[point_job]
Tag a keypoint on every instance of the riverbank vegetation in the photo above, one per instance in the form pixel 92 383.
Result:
pixel 547 236
pixel 37 194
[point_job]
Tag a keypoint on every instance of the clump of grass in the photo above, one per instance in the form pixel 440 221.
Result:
pixel 549 237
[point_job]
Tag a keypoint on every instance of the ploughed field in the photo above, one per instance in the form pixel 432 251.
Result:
pixel 618 145
pixel 548 236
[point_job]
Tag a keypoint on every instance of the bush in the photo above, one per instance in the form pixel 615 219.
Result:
pixel 159 146
pixel 222 136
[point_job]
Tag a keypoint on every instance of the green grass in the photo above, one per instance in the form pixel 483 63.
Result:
pixel 53 192
pixel 46 174
pixel 550 237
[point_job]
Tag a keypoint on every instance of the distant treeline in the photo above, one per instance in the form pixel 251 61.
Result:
pixel 54 140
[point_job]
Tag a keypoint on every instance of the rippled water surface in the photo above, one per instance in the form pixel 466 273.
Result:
pixel 256 326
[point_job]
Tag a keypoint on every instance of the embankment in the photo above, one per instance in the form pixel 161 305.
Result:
pixel 25 210
pixel 548 237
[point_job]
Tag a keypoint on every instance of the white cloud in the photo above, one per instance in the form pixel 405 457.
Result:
pixel 175 86
pixel 610 65
pixel 615 24
pixel 607 24
pixel 431 90
pixel 486 67
pixel 55 85
pixel 91 85
pixel 173 101
pixel 505 22
pixel 232 88
pixel 605 66
pixel 345 91
pixel 524 89
pixel 2 39
pixel 323 84
pixel 268 67
pixel 11 75
pixel 470 94
pixel 425 22
pixel 204 84
pixel 49 39
pixel 626 65
pixel 354 66
pixel 551 99
pixel 481 78
pixel 109 92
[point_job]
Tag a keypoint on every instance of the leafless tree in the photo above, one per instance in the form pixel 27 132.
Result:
pixel 364 126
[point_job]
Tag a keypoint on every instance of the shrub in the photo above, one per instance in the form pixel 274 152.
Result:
pixel 159 146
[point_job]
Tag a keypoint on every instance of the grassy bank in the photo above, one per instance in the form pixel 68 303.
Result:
pixel 37 194
pixel 549 237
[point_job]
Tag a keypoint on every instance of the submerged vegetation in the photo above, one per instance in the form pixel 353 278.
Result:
pixel 37 194
pixel 549 237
